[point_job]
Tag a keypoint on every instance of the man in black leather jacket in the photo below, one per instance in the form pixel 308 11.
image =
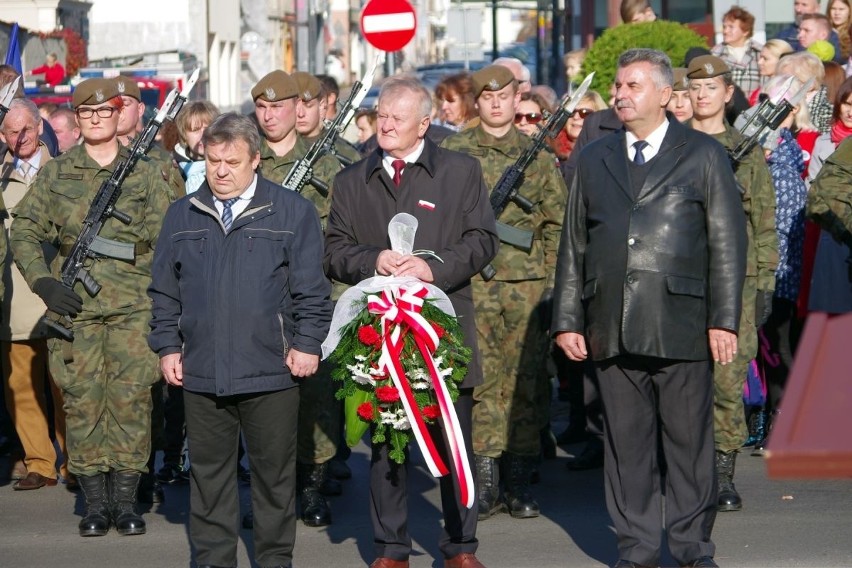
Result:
pixel 648 284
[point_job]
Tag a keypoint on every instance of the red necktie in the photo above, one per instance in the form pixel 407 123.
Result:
pixel 398 165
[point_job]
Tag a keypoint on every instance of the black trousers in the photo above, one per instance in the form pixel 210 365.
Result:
pixel 645 400
pixel 389 497
pixel 213 425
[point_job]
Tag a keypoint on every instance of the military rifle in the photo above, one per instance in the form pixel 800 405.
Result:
pixel 302 171
pixel 88 244
pixel 7 93
pixel 507 188
pixel 758 123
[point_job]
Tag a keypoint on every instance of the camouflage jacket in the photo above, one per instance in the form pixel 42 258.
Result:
pixel 758 196
pixel 53 210
pixel 168 168
pixel 830 196
pixel 543 186
pixel 275 168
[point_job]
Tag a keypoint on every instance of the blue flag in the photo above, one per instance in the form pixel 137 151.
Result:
pixel 13 54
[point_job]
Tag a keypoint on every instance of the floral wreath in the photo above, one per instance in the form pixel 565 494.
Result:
pixel 401 358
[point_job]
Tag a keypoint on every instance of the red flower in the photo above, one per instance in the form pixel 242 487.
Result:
pixel 387 394
pixel 368 336
pixel 431 412
pixel 439 331
pixel 366 411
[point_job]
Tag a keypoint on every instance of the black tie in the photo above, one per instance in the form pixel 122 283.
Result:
pixel 639 157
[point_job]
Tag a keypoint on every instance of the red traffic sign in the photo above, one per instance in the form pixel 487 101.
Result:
pixel 388 24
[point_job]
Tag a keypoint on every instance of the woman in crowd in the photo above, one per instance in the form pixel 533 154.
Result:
pixel 189 152
pixel 454 95
pixel 838 12
pixel 739 50
pixel 531 111
pixel 767 63
pixel 365 120
pixel 804 65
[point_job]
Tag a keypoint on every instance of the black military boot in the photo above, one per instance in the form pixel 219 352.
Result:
pixel 756 428
pixel 488 486
pixel 96 520
pixel 729 499
pixel 516 476
pixel 309 480
pixel 150 490
pixel 124 485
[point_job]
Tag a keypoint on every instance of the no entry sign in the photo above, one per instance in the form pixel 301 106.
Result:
pixel 388 24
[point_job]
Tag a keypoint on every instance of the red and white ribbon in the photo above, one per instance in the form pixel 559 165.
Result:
pixel 398 308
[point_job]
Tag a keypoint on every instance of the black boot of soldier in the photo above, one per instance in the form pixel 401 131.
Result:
pixel 96 493
pixel 309 480
pixel 488 484
pixel 123 487
pixel 516 478
pixel 729 499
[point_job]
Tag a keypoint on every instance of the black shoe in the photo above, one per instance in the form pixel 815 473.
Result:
pixel 592 457
pixel 728 497
pixel 150 491
pixel 338 469
pixel 516 478
pixel 703 562
pixel 123 488
pixel 309 479
pixel 488 487
pixel 172 474
pixel 96 521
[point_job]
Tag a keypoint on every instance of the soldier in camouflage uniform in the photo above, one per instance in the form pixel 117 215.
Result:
pixel 130 124
pixel 510 328
pixel 830 195
pixel 310 111
pixel 107 371
pixel 710 87
pixel 276 97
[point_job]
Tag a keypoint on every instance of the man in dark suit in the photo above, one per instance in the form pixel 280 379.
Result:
pixel 649 283
pixel 445 191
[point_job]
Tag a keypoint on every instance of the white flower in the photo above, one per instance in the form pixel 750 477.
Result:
pixel 420 385
pixel 401 423
pixel 360 358
pixel 359 376
pixel 388 418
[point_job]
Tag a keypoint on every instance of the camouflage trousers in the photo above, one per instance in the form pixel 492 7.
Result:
pixel 107 393
pixel 729 422
pixel 506 413
pixel 318 430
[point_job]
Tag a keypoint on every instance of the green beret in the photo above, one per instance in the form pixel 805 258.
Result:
pixel 128 86
pixel 679 79
pixel 706 66
pixel 491 78
pixel 309 86
pixel 275 86
pixel 94 92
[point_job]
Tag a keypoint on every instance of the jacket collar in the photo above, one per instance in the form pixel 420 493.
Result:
pixel 428 160
pixel 263 198
pixel 7 169
pixel 511 144
pixel 668 157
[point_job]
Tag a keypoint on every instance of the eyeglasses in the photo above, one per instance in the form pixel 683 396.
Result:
pixel 103 112
pixel 532 117
pixel 583 112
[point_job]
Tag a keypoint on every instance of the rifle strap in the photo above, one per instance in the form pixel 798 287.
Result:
pixel 139 248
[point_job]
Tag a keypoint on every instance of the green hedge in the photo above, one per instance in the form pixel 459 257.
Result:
pixel 671 37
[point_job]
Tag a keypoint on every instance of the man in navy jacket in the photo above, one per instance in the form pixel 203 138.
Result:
pixel 240 309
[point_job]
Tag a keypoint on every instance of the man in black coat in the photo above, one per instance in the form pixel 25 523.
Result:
pixel 649 282
pixel 445 191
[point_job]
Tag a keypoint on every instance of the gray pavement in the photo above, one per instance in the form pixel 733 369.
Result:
pixel 783 524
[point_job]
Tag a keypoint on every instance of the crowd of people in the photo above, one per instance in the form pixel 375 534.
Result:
pixel 650 278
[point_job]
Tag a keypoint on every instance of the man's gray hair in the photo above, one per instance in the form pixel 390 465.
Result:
pixel 662 65
pixel 511 62
pixel 232 127
pixel 396 85
pixel 27 106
